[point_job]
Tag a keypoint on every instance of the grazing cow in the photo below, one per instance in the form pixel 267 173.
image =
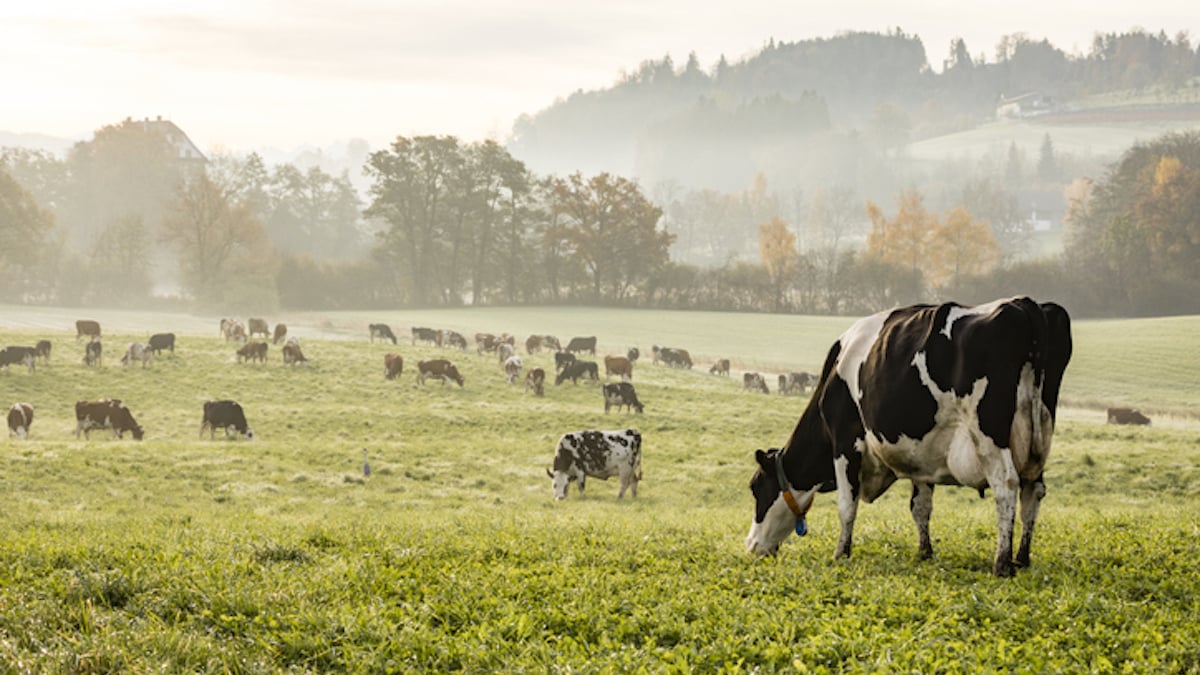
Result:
pixel 427 335
pixel 1126 416
pixel 618 365
pixel 621 394
pixel 755 382
pixel 161 341
pixel 582 344
pixel 280 333
pixel 24 355
pixel 42 349
pixel 551 342
pixel 20 416
pixel 485 342
pixel 721 367
pixel 655 353
pixel 226 324
pixel 381 331
pixel 597 454
pixel 453 339
pixel 676 358
pixel 504 351
pixel 258 327
pixel 796 383
pixel 577 369
pixel 393 365
pixel 136 351
pixel 512 368
pixel 235 332
pixel 252 351
pixel 633 354
pixel 438 368
pixel 292 354
pixel 562 360
pixel 92 352
pixel 105 414
pixel 533 343
pixel 535 379
pixel 88 328
pixel 937 395
pixel 225 415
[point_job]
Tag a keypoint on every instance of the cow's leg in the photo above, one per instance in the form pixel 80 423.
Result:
pixel 846 472
pixel 921 506
pixel 1002 478
pixel 1031 501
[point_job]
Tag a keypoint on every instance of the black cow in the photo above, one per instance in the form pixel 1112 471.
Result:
pixel 1126 416
pixel 621 394
pixel 383 332
pixel 427 335
pixel 562 360
pixel 577 369
pixel 42 349
pixel 225 415
pixel 161 341
pixel 937 395
pixel 22 355
pixel 582 344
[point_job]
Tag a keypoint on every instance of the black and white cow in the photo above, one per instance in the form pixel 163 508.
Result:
pixel 597 454
pixel 937 395
pixel 755 382
pixel 225 415
pixel 562 360
pixel 621 394
pixel 381 331
pixel 26 356
pixel 20 416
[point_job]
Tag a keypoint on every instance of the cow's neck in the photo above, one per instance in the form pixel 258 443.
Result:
pixel 806 460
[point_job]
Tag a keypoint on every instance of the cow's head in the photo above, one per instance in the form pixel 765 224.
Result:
pixel 774 515
pixel 562 479
pixel 137 432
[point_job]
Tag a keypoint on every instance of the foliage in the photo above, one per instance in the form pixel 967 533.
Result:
pixel 780 259
pixel 24 227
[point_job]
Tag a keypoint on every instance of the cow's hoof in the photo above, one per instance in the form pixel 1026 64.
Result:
pixel 925 554
pixel 1004 569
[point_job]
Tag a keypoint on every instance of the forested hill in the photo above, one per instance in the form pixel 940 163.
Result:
pixel 844 95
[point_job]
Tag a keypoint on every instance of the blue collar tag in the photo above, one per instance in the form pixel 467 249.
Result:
pixel 801 527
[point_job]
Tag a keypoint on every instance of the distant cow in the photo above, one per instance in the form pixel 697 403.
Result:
pixel 562 360
pixel 551 342
pixel 20 416
pixel 252 351
pixel 1126 416
pixel 621 394
pixel 86 327
pixel 161 341
pixel 533 343
pixel 582 344
pixel 755 382
pixel 439 368
pixel 23 355
pixel 426 335
pixel 136 351
pixel 225 415
pixel 512 368
pixel 620 366
pixel 721 367
pixel 280 333
pixel 106 414
pixel 597 454
pixel 233 330
pixel 381 331
pixel 292 354
pixel 504 351
pixel 393 365
pixel 92 352
pixel 676 358
pixel 259 327
pixel 485 342
pixel 454 339
pixel 42 349
pixel 535 379
pixel 633 354
pixel 577 369
pixel 796 383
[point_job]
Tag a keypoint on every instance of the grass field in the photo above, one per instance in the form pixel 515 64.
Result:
pixel 182 554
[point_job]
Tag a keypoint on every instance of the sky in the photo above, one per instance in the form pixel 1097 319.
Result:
pixel 238 75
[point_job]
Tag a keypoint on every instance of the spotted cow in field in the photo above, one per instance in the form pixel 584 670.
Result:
pixel 393 366
pixel 676 358
pixel 106 414
pixel 252 351
pixel 26 356
pixel 755 382
pixel 454 339
pixel 720 367
pixel 88 328
pixel 597 454
pixel 92 352
pixel 576 370
pixel 512 368
pixel 621 394
pixel 227 415
pixel 535 379
pixel 137 351
pixel 796 383
pixel 20 416
pixel 1126 416
pixel 934 394
pixel 381 331
pixel 160 341
pixel 446 370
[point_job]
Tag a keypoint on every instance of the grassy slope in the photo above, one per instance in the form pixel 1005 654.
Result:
pixel 209 555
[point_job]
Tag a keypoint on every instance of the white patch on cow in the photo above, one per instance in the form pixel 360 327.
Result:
pixel 957 313
pixel 766 537
pixel 856 344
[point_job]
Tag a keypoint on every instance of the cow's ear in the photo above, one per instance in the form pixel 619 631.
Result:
pixel 763 460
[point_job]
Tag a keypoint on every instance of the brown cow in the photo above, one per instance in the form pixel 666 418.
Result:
pixel 618 365
pixel 292 354
pixel 280 333
pixel 533 343
pixel 86 327
pixel 42 349
pixel 20 416
pixel 535 379
pixel 393 365
pixel 438 368
pixel 721 367
pixel 105 414
pixel 259 327
pixel 1126 416
pixel 252 351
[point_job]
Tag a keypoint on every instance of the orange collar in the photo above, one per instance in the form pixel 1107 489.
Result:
pixel 786 489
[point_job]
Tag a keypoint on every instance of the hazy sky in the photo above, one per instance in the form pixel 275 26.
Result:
pixel 242 74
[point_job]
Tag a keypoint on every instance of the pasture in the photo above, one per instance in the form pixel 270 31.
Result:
pixel 184 554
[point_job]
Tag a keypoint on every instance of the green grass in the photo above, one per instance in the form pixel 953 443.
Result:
pixel 183 554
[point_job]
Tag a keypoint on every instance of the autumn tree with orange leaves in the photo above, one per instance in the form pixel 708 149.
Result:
pixel 777 250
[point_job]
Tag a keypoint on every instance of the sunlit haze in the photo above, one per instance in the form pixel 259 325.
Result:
pixel 242 75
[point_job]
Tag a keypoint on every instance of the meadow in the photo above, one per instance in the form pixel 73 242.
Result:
pixel 185 554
